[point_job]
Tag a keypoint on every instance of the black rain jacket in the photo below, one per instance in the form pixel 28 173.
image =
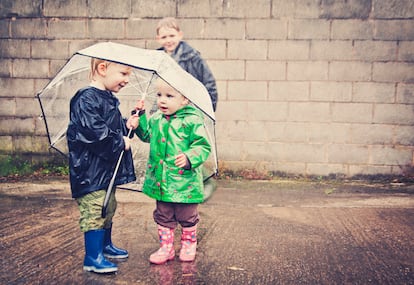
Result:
pixel 95 140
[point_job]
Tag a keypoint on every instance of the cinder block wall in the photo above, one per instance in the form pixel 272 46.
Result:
pixel 305 86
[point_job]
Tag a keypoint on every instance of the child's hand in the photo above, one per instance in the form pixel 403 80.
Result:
pixel 133 122
pixel 181 161
pixel 127 143
pixel 140 105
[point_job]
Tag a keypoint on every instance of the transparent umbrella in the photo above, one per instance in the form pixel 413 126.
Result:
pixel 147 66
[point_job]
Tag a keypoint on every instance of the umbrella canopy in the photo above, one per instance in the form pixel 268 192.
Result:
pixel 147 66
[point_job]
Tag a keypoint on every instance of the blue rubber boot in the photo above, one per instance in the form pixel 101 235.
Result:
pixel 110 250
pixel 94 259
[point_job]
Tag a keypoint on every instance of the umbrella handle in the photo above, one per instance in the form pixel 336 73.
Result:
pixel 111 183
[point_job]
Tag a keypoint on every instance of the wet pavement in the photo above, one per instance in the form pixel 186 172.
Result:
pixel 251 232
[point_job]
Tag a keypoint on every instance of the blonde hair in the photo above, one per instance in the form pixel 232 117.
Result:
pixel 94 66
pixel 168 22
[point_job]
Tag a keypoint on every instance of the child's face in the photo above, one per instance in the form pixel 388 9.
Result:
pixel 169 38
pixel 169 100
pixel 114 76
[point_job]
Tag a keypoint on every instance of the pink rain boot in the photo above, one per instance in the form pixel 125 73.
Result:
pixel 188 243
pixel 166 251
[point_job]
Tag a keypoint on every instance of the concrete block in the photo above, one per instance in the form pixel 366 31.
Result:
pixel 40 127
pixel 16 126
pixel 229 151
pixel 210 49
pixel 352 30
pixel 373 92
pixel 4 28
pixel 406 51
pixel 350 71
pixel 286 91
pixel 404 135
pixel 247 91
pixel 267 111
pixel 296 9
pixel 369 134
pixel 31 68
pixel 393 72
pixel 40 144
pixel 398 114
pixel 56 65
pixel 160 8
pixel 21 8
pixel 309 112
pixel 394 30
pixel 375 50
pixel 326 133
pixel 246 9
pixel 198 9
pixel 287 132
pixel 246 49
pixel 8 107
pixel 358 9
pixel 331 91
pixel 261 152
pixel 288 167
pixel 106 29
pixel 69 8
pixel 348 154
pixel 50 49
pixel 231 111
pixel 14 48
pixel 224 29
pixel 192 28
pixel 365 169
pixel 118 9
pixel 405 93
pixel 28 28
pixel 392 9
pixel 352 113
pixel 264 29
pixel 5 67
pixel 227 69
pixel 383 155
pixel 141 29
pixel 309 70
pixel 16 87
pixel 308 29
pixel 331 50
pixel 68 29
pixel 289 50
pixel 265 70
pixel 27 107
pixel 243 131
pixel 6 144
pixel 297 152
pixel 22 144
pixel 39 84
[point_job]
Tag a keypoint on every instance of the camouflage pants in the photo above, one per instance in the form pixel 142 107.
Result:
pixel 90 207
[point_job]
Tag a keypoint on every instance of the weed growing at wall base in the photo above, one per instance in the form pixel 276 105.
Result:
pixel 16 166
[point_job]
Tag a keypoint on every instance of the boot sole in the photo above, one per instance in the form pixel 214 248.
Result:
pixel 101 270
pixel 162 262
pixel 116 256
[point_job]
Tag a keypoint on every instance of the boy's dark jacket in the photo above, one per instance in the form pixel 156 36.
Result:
pixel 95 140
pixel 190 60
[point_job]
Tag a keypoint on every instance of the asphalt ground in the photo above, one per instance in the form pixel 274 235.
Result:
pixel 251 232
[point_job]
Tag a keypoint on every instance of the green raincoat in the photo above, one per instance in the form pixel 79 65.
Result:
pixel 182 132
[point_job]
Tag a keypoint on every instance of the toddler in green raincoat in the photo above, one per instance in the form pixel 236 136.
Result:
pixel 178 147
